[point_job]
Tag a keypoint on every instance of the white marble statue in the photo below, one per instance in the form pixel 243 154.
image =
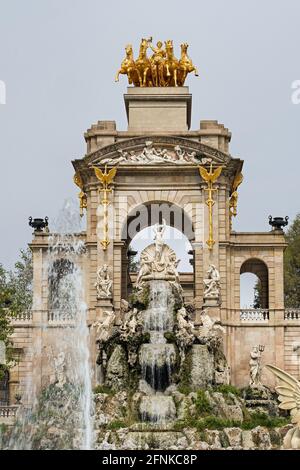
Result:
pixel 210 326
pixel 159 230
pixel 105 326
pixel 130 323
pixel 103 283
pixel 146 267
pixel 255 367
pixel 158 260
pixel 212 283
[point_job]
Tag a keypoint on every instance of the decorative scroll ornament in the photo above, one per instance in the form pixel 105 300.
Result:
pixel 210 177
pixel 82 195
pixel 106 180
pixel 153 156
pixel 289 397
pixel 162 69
pixel 234 196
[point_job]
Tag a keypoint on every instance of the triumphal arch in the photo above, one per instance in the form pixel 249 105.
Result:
pixel 159 172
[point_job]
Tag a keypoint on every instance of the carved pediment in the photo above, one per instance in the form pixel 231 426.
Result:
pixel 157 150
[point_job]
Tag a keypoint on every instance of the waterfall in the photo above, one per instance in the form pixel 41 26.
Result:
pixel 60 416
pixel 158 358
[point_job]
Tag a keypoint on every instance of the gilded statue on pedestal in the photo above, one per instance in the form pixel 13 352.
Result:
pixel 162 69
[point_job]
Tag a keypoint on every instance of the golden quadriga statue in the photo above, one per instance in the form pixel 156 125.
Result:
pixel 162 69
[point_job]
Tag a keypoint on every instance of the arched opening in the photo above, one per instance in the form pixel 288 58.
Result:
pixel 4 388
pixel 173 237
pixel 137 233
pixel 60 284
pixel 254 285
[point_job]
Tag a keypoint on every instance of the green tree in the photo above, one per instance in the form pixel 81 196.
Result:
pixel 257 294
pixel 15 297
pixel 292 265
pixel 5 326
pixel 20 282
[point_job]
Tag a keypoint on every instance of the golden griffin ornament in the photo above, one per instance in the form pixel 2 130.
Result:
pixel 106 180
pixel 210 177
pixel 161 69
pixel 289 398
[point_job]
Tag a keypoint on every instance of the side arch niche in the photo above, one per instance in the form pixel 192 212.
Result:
pixel 260 270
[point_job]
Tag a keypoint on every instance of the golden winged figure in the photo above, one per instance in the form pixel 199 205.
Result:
pixel 82 196
pixel 289 397
pixel 210 176
pixel 237 181
pixel 78 180
pixel 106 178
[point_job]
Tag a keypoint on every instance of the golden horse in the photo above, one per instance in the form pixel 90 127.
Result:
pixel 171 64
pixel 129 68
pixel 185 65
pixel 143 64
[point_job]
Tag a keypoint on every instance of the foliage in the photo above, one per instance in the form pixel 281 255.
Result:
pixel 133 264
pixel 15 297
pixel 262 419
pixel 185 374
pixel 292 265
pixel 213 422
pixel 202 403
pixel 117 424
pixel 103 389
pixel 257 294
pixel 20 281
pixel 170 337
pixel 140 298
pixel 5 315
pixel 226 389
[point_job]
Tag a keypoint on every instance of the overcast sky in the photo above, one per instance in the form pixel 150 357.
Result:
pixel 58 59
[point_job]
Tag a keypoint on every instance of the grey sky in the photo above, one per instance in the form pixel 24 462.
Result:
pixel 58 59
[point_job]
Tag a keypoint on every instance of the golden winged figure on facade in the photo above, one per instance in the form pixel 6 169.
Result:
pixel 106 178
pixel 289 397
pixel 161 69
pixel 211 176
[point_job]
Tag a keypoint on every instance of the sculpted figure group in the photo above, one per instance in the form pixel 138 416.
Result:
pixel 162 69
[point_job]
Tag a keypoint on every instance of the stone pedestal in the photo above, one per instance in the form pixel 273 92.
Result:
pixel 158 109
pixel 211 302
pixel 102 305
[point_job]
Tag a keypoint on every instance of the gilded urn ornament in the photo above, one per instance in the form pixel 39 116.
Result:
pixel 161 69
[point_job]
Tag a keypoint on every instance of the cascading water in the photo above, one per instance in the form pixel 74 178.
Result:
pixel 61 415
pixel 158 358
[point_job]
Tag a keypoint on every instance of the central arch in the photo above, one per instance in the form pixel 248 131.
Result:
pixel 146 215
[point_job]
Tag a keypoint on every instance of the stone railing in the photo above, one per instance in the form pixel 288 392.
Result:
pixel 292 314
pixel 58 316
pixel 22 317
pixel 254 315
pixel 8 411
